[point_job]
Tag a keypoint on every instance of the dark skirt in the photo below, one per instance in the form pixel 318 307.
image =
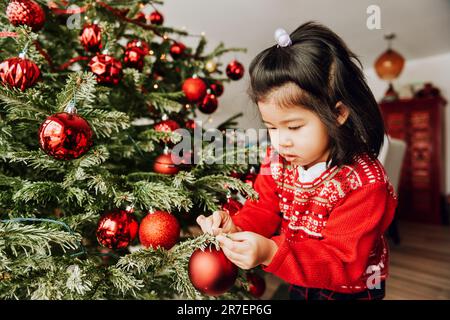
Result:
pixel 302 293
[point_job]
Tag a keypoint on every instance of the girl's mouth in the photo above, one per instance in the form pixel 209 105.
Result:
pixel 289 157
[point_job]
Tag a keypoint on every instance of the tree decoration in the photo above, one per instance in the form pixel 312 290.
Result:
pixel 156 18
pixel 194 89
pixel 159 229
pixel 26 12
pixel 211 272
pixel 217 88
pixel 209 104
pixel 235 70
pixel 107 69
pixel 19 72
pixel 65 135
pixel 117 229
pixel 177 50
pixel 91 37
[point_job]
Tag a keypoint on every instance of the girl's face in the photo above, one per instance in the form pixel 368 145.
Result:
pixel 296 133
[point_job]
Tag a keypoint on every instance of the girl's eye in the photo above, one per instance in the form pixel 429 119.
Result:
pixel 271 128
pixel 295 128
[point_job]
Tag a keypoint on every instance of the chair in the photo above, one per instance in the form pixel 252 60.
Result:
pixel 391 157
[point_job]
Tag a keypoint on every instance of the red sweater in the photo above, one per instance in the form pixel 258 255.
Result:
pixel 329 232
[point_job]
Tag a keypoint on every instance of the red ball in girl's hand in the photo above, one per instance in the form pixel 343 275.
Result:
pixel 211 272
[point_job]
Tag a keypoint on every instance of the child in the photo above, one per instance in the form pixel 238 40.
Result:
pixel 324 198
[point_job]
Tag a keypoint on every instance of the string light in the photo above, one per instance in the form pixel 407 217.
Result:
pixel 155 86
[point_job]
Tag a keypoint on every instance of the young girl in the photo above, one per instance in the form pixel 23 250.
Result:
pixel 324 198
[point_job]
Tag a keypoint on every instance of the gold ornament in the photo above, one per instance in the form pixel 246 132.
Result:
pixel 211 66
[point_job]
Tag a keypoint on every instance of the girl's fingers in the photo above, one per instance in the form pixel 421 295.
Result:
pixel 236 258
pixel 204 223
pixel 216 231
pixel 217 219
pixel 234 246
pixel 240 236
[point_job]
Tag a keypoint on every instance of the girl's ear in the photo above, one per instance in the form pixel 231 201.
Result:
pixel 342 112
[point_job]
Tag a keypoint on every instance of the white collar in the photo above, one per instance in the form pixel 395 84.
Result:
pixel 312 173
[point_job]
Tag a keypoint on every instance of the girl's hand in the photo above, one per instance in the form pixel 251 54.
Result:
pixel 247 249
pixel 219 221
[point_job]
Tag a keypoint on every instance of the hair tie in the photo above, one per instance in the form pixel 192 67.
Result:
pixel 282 38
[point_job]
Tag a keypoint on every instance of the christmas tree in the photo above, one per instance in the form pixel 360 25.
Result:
pixel 92 203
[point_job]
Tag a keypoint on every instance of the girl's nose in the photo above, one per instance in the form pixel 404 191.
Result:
pixel 286 142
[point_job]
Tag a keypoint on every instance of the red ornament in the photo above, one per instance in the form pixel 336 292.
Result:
pixel 91 37
pixel 211 272
pixel 164 164
pixel 26 12
pixel 232 206
pixel 235 70
pixel 65 136
pixel 194 89
pixel 133 59
pixel 177 50
pixel 167 126
pixel 139 45
pixel 156 18
pixel 235 174
pixel 19 73
pixel 250 179
pixel 159 229
pixel 117 229
pixel 216 88
pixel 140 17
pixel 107 69
pixel 209 104
pixel 190 124
pixel 257 284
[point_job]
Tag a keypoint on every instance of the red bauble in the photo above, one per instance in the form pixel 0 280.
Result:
pixel 117 229
pixel 164 164
pixel 211 272
pixel 156 18
pixel 65 136
pixel 140 45
pixel 257 284
pixel 91 38
pixel 232 206
pixel 140 17
pixel 235 70
pixel 250 179
pixel 19 73
pixel 26 12
pixel 194 89
pixel 159 229
pixel 177 50
pixel 166 126
pixel 190 124
pixel 209 104
pixel 133 59
pixel 107 69
pixel 235 174
pixel 216 88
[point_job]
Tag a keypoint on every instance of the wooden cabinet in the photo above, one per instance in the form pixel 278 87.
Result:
pixel 421 123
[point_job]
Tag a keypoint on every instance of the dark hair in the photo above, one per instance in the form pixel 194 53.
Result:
pixel 325 71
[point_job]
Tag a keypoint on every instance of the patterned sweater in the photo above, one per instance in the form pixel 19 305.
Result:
pixel 329 231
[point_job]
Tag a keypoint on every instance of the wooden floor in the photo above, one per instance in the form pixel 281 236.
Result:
pixel 419 266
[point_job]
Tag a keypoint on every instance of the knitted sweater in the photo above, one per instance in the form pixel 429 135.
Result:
pixel 329 231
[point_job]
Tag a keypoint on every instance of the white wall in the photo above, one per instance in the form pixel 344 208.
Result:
pixel 434 69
